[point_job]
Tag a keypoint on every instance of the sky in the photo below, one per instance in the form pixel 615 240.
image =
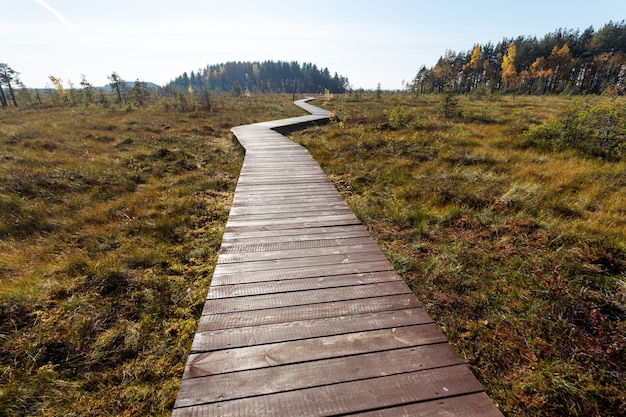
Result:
pixel 369 42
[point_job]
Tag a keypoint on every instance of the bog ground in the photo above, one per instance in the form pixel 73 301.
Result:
pixel 511 236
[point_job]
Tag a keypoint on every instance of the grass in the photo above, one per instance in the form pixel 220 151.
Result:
pixel 111 219
pixel 518 252
pixel 110 224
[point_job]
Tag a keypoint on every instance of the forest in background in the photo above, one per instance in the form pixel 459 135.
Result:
pixel 235 78
pixel 565 61
pixel 262 77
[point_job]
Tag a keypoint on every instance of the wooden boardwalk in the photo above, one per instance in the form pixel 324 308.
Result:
pixel 305 315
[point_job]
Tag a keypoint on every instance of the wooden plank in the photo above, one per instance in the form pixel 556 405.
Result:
pixel 264 169
pixel 258 302
pixel 250 203
pixel 261 199
pixel 291 189
pixel 286 212
pixel 289 235
pixel 303 284
pixel 347 397
pixel 224 387
pixel 306 329
pixel 314 271
pixel 333 204
pixel 251 200
pixel 295 219
pixel 471 405
pixel 308 194
pixel 296 253
pixel 297 245
pixel 277 264
pixel 304 350
pixel 268 179
pixel 233 320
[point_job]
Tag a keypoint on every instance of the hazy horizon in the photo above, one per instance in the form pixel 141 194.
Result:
pixel 368 42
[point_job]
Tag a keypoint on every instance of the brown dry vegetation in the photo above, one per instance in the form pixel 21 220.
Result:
pixel 110 223
pixel 517 250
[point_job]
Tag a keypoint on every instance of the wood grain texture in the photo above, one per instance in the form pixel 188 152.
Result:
pixel 305 315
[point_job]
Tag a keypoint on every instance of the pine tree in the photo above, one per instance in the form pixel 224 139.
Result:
pixel 7 78
pixel 118 84
pixel 88 92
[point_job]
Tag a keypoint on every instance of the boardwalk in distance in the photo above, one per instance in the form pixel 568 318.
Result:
pixel 305 316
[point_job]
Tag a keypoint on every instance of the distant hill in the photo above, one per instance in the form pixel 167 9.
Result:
pixel 264 77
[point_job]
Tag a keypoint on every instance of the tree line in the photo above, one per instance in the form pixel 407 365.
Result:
pixel 136 93
pixel 262 77
pixel 194 90
pixel 565 61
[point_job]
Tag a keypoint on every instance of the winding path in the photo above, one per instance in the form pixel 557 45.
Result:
pixel 305 316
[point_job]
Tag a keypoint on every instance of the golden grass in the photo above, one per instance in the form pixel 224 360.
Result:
pixel 110 224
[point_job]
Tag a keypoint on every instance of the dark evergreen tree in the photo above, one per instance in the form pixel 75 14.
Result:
pixel 118 84
pixel 8 77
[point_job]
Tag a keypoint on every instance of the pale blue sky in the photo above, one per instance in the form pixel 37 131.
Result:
pixel 367 41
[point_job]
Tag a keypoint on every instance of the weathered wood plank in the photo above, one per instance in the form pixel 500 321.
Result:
pixel 278 300
pixel 297 244
pixel 472 405
pixel 303 284
pixel 253 198
pixel 314 271
pixel 297 253
pixel 251 203
pixel 289 377
pixel 291 213
pixel 292 223
pixel 304 350
pixel 306 329
pixel 274 209
pixel 289 235
pixel 277 264
pixel 348 397
pixel 330 309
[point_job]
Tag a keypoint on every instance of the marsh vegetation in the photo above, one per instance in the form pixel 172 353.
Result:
pixel 110 223
pixel 506 215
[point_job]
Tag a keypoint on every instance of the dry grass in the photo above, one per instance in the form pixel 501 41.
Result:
pixel 110 224
pixel 517 252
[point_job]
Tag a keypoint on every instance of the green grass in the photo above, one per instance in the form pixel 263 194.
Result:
pixel 517 251
pixel 110 225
